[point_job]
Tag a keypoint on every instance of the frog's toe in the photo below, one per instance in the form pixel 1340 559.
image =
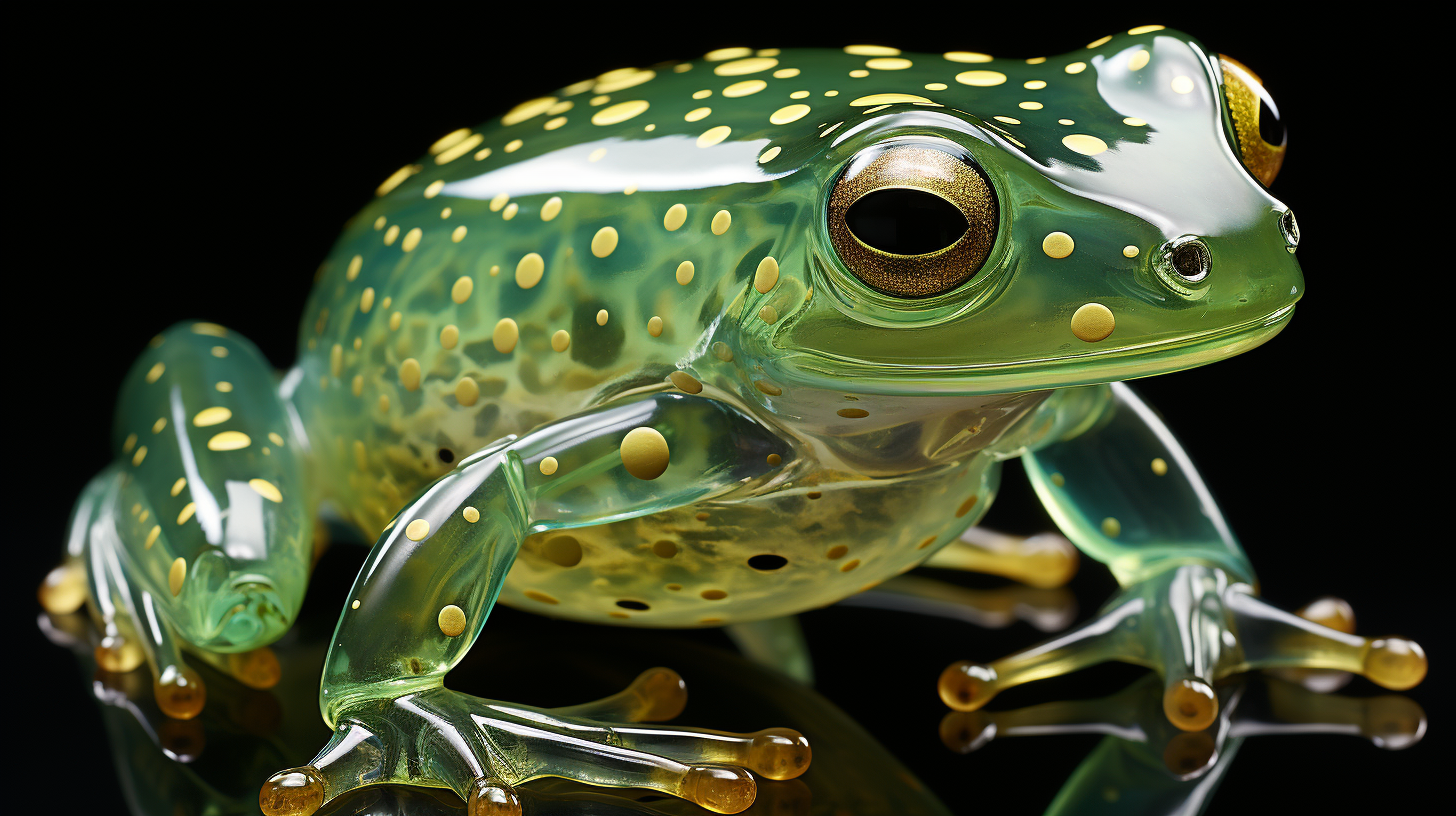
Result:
pixel 180 692
pixel 294 792
pixel 119 654
pixel 63 590
pixel 657 694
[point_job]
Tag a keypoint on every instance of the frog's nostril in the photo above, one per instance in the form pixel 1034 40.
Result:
pixel 1290 229
pixel 1191 260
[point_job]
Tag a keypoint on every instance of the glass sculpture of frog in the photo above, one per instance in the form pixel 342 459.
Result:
pixel 711 342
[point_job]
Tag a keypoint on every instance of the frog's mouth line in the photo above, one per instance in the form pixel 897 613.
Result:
pixel 1087 368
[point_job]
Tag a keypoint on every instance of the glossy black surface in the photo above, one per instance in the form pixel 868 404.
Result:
pixel 167 172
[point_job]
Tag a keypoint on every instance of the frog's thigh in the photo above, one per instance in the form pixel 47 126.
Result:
pixel 203 529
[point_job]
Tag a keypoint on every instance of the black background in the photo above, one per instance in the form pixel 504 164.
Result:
pixel 172 168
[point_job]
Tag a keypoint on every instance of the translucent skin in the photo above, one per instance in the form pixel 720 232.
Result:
pixel 702 415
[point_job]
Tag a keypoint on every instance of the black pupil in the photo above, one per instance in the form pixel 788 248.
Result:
pixel 1271 129
pixel 1191 260
pixel 905 222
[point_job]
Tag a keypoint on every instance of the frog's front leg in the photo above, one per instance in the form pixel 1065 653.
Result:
pixel 424 593
pixel 1125 493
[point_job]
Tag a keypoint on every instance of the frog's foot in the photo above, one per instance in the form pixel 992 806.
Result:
pixel 1194 626
pixel 63 590
pixel 482 749
pixel 1045 560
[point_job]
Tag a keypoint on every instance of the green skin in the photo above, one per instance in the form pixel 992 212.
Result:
pixel 763 459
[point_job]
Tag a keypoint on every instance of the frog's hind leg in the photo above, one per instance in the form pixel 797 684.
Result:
pixel 1045 561
pixel 198 536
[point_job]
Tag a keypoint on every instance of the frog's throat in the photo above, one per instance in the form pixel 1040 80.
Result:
pixel 1128 362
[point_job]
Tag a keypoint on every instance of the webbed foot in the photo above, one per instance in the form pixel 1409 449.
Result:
pixel 483 749
pixel 1194 625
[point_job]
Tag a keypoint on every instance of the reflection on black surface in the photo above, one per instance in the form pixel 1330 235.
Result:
pixel 215 763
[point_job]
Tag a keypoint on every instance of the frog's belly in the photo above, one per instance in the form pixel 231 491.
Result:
pixel 803 547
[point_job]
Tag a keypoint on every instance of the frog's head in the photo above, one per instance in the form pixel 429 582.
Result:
pixel 984 226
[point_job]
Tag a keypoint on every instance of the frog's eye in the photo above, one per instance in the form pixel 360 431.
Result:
pixel 1260 134
pixel 912 221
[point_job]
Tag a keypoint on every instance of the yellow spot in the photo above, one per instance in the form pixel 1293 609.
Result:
pixel 355 265
pixel 471 514
pixel 354 605
pixel 434 188
pixel 391 234
pixel 644 453
pixel 766 276
pixel 752 65
pixel 395 179
pixel 130 442
pixel 1058 245
pixel 395 320
pixel 967 56
pixel 411 239
pixel 1182 84
pixel 714 135
pixel 620 112
pixel 853 413
pixel 676 216
pixel 1100 41
pixel 1084 144
pixel 224 386
pixel 1139 60
pixel 449 140
pixel 1111 527
pixel 366 300
pixel 551 208
pixel 850 565
pixel 654 326
pixel 1133 121
pixel 981 79
pixel 1129 251
pixel 774 459
pixel 787 114
pixel 548 466
pixel 685 273
pixel 621 79
pixel 229 440
pixel 266 489
pixel 1092 322
pixel 499 201
pixel 458 234
pixel 769 155
pixel 888 64
pixel 561 340
pixel 768 314
pixel 722 220
pixel 1160 467
pixel 747 87
pixel 140 455
pixel 416 530
pixel 871 51
pixel 187 512
pixel 530 269
pixel 786 73
pixel 152 536
pixel 768 388
pixel 685 382
pixel 176 575
pixel 552 124
pixel 1034 84
pixel 467 391
pixel 1066 122
pixel 602 243
pixel 540 596
pixel 155 372
pixel 529 109
pixel 452 620
pixel 966 506
pixel 1147 29
pixel 596 155
pixel 1007 119
pixel 336 360
pixel 505 335
pixel 799 95
pixel 178 485
pixel 602 317
pixel 449 336
pixel 463 286
pixel 510 211
pixel 1076 68
pixel 1029 105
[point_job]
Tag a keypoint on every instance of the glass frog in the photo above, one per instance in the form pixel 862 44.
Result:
pixel 708 343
